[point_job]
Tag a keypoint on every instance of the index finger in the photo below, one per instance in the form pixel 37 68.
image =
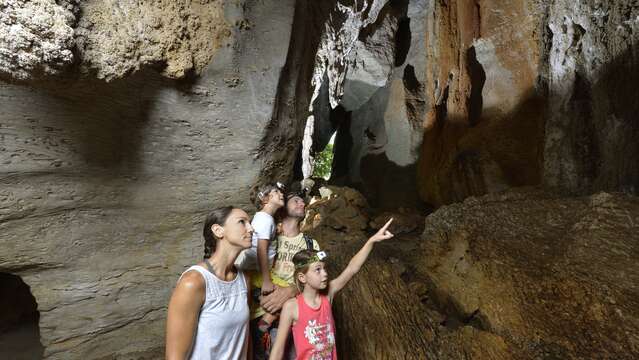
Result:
pixel 386 225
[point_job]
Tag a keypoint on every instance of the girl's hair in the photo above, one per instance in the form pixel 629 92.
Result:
pixel 301 262
pixel 217 216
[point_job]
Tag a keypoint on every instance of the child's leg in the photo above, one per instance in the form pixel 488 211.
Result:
pixel 259 342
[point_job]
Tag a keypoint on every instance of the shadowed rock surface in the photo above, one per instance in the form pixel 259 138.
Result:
pixel 517 275
pixel 553 276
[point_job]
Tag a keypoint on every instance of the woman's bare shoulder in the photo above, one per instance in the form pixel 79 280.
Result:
pixel 191 281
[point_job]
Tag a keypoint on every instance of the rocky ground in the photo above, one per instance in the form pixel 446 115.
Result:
pixel 522 274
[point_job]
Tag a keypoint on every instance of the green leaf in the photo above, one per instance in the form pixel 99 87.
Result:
pixel 324 162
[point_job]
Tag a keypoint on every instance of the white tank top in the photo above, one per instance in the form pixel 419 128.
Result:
pixel 222 328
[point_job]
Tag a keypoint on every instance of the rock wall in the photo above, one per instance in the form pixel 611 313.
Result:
pixel 529 92
pixel 522 274
pixel 366 91
pixel 429 94
pixel 123 122
pixel 179 37
pixel 553 277
pixel 483 131
pixel 105 184
pixel 111 39
pixel 591 76
pixel 463 97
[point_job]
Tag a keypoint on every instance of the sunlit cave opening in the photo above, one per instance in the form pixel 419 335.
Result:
pixel 323 160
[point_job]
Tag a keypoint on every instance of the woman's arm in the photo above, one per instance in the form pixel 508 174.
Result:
pixel 358 260
pixel 184 308
pixel 287 318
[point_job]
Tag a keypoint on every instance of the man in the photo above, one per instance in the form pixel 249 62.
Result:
pixel 289 242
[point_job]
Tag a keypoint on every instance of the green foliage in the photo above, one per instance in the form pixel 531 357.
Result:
pixel 324 162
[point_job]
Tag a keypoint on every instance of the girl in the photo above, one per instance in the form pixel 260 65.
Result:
pixel 208 312
pixel 309 314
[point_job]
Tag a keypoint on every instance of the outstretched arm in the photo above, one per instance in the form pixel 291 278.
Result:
pixel 184 308
pixel 358 260
pixel 288 316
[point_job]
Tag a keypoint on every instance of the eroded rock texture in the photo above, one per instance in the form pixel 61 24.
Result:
pixel 123 122
pixel 441 97
pixel 552 276
pixel 515 275
pixel 529 92
pixel 105 185
pixel 367 91
pixel 592 128
pixel 111 39
pixel 483 131
pixel 461 98
pixel 116 38
pixel 36 38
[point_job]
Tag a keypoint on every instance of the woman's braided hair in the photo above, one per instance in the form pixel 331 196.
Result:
pixel 217 216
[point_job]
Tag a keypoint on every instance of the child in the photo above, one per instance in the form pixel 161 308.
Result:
pixel 309 314
pixel 261 254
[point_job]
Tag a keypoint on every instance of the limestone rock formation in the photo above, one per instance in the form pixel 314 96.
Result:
pixel 404 221
pixel 526 93
pixel 592 72
pixel 483 129
pixel 179 37
pixel 110 40
pixel 517 275
pixel 341 208
pixel 552 276
pixel 123 122
pixel 36 38
pixel 461 98
pixel 105 185
pixel 366 91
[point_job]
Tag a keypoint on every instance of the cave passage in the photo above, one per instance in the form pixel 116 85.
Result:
pixel 19 320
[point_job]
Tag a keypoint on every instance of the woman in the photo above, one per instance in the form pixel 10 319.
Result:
pixel 208 312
